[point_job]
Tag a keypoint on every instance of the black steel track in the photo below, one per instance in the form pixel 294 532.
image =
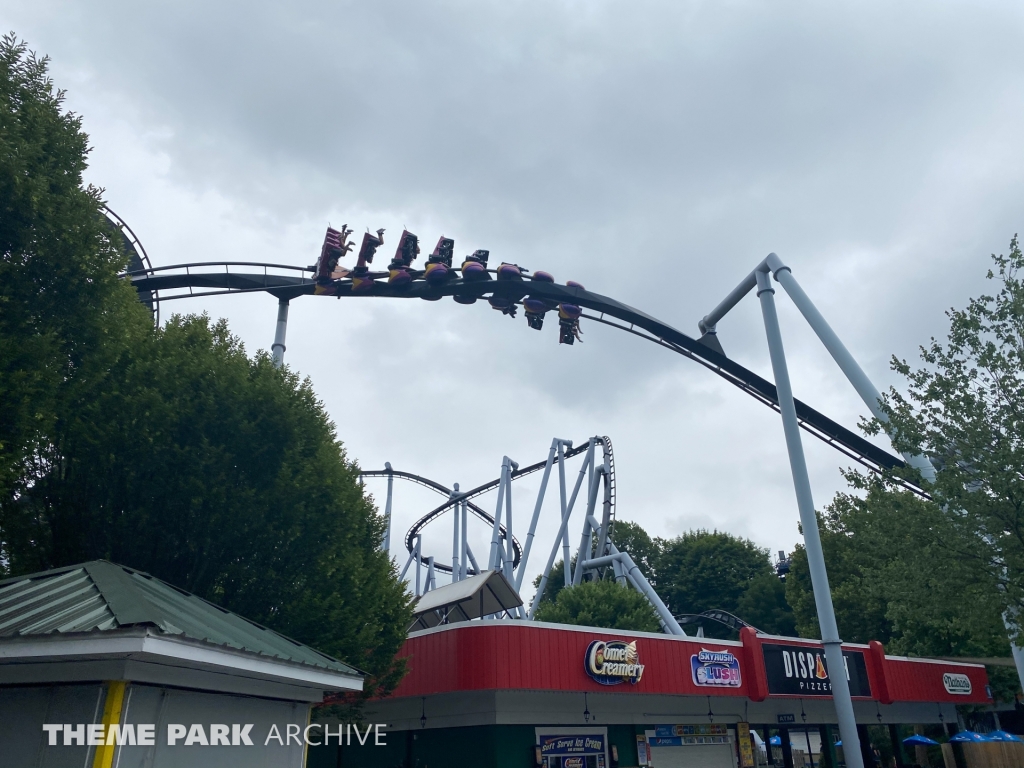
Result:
pixel 454 499
pixel 632 320
pixel 426 482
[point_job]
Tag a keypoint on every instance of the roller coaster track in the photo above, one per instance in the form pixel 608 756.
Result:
pixel 288 282
pixel 444 491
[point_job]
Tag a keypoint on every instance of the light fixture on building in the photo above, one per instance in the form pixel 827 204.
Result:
pixel 586 709
pixel 423 712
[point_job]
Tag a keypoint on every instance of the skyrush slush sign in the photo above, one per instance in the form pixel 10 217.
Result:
pixel 800 670
pixel 715 668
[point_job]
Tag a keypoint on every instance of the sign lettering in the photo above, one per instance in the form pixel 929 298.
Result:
pixel 956 683
pixel 613 662
pixel 800 670
pixel 715 669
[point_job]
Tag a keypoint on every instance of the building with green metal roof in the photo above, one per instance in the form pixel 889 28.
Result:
pixel 102 643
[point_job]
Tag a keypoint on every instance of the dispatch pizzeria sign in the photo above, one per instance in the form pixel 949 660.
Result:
pixel 800 670
pixel 613 662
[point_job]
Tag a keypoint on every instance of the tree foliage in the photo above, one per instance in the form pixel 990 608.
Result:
pixel 64 314
pixel 965 410
pixel 556 580
pixel 897 575
pixel 222 475
pixel 701 570
pixel 168 450
pixel 602 603
pixel 632 538
pixel 698 571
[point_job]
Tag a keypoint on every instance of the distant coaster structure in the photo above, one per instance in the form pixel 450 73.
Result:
pixel 507 288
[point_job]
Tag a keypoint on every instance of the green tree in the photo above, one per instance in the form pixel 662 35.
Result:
pixel 221 474
pixel 555 582
pixel 764 605
pixel 64 314
pixel 628 537
pixel 166 450
pixel 632 538
pixel 601 604
pixel 965 410
pixel 701 570
pixel 897 575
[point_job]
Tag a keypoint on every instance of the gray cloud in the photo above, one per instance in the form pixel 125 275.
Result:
pixel 652 151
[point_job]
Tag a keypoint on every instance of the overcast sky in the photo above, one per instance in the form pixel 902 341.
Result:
pixel 654 151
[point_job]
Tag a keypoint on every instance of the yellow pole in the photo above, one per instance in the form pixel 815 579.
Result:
pixel 104 757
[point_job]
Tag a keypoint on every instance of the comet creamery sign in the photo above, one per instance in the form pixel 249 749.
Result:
pixel 613 662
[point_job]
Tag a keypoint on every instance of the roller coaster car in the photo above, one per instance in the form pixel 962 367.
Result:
pixel 361 280
pixel 569 323
pixel 475 267
pixel 508 271
pixel 535 309
pixel 369 248
pixel 407 251
pixel 505 306
pixel 440 261
pixel 336 245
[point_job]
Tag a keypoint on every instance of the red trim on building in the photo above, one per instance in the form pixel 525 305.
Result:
pixel 877 668
pixel 477 656
pixel 757 678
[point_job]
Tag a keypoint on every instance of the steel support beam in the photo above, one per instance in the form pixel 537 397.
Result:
pixel 464 560
pixel 455 536
pixel 493 557
pixel 589 523
pixel 278 347
pixel 387 509
pixel 563 532
pixel 555 444
pixel 805 503
pixel 847 364
pixel 644 587
pixel 509 555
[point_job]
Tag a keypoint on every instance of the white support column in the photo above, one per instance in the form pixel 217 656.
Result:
pixel 492 559
pixel 561 535
pixel 464 560
pixel 431 582
pixel 455 535
pixel 565 531
pixel 509 550
pixel 387 508
pixel 419 561
pixel 589 524
pixel 555 444
pixel 812 541
pixel 278 346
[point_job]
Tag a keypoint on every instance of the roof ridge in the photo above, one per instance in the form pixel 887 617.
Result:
pixel 120 597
